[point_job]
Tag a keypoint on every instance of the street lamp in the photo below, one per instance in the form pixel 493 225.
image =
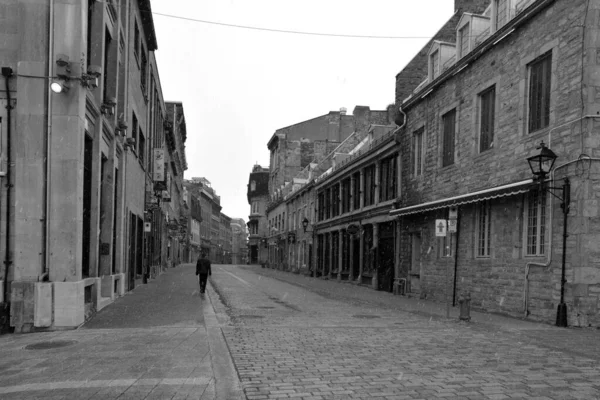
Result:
pixel 541 164
pixel 305 224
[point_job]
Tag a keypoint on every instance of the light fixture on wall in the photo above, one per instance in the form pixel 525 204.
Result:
pixel 63 75
pixel 541 165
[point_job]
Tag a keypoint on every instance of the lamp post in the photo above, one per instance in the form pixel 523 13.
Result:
pixel 541 164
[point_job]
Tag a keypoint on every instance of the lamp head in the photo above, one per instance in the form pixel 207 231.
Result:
pixel 541 163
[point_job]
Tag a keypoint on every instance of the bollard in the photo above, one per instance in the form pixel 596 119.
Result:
pixel 465 307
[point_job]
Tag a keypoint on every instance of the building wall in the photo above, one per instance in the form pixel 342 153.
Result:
pixel 499 282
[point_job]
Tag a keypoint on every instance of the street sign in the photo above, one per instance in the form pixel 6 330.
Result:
pixel 352 229
pixel 452 225
pixel 440 227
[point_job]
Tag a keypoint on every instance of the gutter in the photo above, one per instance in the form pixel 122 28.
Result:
pixel 7 73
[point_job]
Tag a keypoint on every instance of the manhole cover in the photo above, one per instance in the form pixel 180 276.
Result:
pixel 365 316
pixel 250 316
pixel 265 307
pixel 50 345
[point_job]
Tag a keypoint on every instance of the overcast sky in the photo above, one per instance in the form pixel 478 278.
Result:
pixel 240 85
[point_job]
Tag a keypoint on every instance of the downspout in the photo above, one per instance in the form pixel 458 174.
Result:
pixel 546 265
pixel 397 279
pixel 456 256
pixel 7 73
pixel 45 235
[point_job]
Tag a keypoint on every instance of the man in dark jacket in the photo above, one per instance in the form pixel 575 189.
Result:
pixel 203 271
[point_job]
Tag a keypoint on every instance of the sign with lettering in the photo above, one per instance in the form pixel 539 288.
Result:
pixel 147 227
pixel 440 227
pixel 453 213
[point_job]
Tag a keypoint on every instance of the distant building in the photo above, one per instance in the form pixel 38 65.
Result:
pixel 239 252
pixel 258 197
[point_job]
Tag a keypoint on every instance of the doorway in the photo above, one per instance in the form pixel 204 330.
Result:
pixel 87 205
pixel 385 270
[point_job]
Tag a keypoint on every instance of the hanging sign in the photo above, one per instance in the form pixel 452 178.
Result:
pixel 440 227
pixel 159 165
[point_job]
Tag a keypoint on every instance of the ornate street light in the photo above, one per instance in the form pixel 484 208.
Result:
pixel 305 224
pixel 541 165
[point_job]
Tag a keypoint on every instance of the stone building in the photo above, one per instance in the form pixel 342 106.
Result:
pixel 86 112
pixel 297 152
pixel 498 79
pixel 239 237
pixel 258 198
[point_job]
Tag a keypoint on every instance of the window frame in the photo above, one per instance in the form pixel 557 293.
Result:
pixel 418 151
pixel 541 226
pixel 538 114
pixel 483 236
pixel 448 137
pixel 485 109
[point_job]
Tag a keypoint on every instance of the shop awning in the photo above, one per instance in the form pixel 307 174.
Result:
pixel 492 193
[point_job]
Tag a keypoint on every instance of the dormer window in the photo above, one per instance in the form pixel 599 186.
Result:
pixel 502 12
pixel 463 40
pixel 434 64
pixel 252 186
pixel 441 56
pixel 471 30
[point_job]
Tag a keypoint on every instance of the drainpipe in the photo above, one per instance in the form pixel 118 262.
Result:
pixel 7 73
pixel 45 235
pixel 456 256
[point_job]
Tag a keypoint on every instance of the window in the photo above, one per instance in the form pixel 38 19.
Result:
pixel 449 124
pixel 254 207
pixel 107 43
pixel 143 68
pixel 540 78
pixel 335 200
pixel 388 178
pixel 483 229
pixel 90 18
pixel 487 101
pixel 142 149
pixel 328 203
pixel 536 224
pixel 345 196
pixel 252 186
pixel 463 41
pixel 418 151
pixel 501 8
pixel 321 205
pixel 434 64
pixel 134 127
pixel 369 176
pixel 136 39
pixel 447 245
pixel 356 191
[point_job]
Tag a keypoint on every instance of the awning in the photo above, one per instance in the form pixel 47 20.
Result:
pixel 481 195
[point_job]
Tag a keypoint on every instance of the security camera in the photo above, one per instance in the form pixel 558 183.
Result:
pixel 62 60
pixel 94 70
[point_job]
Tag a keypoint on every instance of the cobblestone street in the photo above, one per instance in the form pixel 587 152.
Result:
pixel 296 337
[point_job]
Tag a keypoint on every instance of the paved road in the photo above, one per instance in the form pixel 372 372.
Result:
pixel 160 341
pixel 305 338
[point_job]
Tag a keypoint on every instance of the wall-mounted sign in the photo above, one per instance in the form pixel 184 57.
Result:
pixel 147 227
pixel 452 225
pixel 453 213
pixel 159 165
pixel 352 229
pixel 440 227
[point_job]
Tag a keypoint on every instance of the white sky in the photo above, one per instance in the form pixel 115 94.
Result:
pixel 239 85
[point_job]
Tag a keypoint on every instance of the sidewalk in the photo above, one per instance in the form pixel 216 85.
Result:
pixel 159 341
pixel 580 341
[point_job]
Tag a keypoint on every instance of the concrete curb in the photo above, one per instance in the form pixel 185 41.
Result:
pixel 227 382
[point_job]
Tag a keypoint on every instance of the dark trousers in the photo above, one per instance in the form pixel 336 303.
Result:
pixel 202 278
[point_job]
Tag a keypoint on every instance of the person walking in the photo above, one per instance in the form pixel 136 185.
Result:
pixel 203 271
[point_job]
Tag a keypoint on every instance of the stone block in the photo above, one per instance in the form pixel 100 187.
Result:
pixel 107 286
pixel 21 305
pixel 580 290
pixel 589 275
pixel 1 291
pixel 42 314
pixel 69 308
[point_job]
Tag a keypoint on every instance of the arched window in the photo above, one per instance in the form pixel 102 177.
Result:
pixel 252 186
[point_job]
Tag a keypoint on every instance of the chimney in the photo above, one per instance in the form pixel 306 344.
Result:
pixel 343 111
